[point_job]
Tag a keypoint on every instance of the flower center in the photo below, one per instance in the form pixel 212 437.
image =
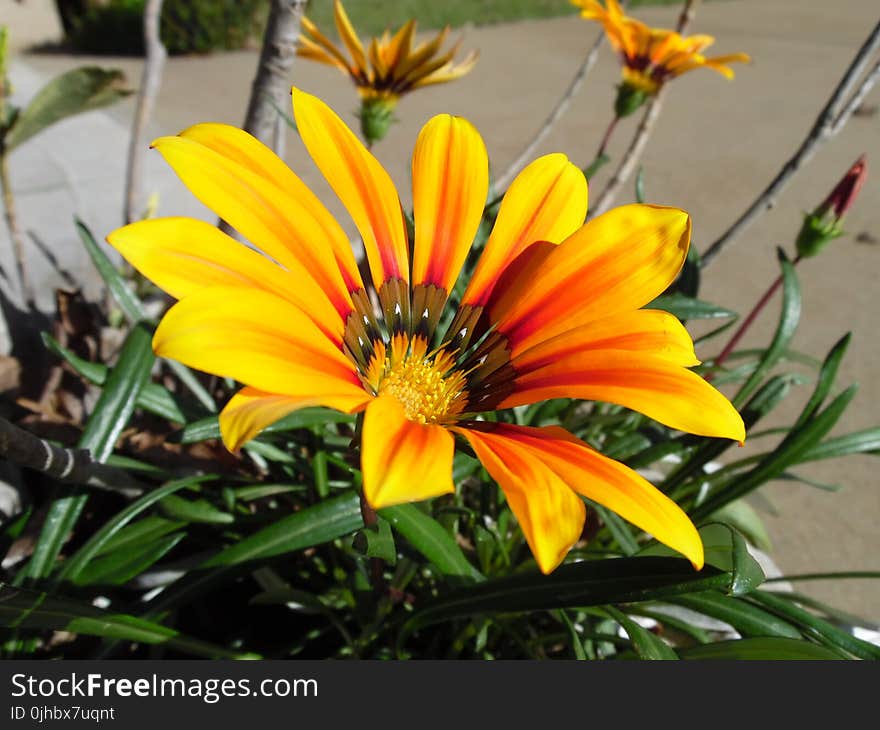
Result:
pixel 424 386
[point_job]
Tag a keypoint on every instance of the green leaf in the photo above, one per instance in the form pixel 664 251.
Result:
pixel 321 523
pixel 685 307
pixel 110 415
pixel 619 529
pixel 827 374
pixel 789 452
pixel 13 529
pixel 71 93
pixel 646 644
pixel 120 567
pixel 194 510
pixel 823 631
pixel 126 299
pixel 788 322
pixel 760 649
pixel 859 442
pixel 153 398
pixel 377 542
pixel 24 609
pixel 726 550
pixel 640 185
pixel 427 536
pixel 585 583
pixel 745 617
pixel 130 537
pixel 75 565
pixel 209 428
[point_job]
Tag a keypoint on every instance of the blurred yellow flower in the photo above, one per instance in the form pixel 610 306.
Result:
pixel 389 68
pixel 553 309
pixel 652 56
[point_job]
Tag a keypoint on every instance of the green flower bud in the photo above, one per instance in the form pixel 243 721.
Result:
pixel 377 116
pixel 815 234
pixel 629 99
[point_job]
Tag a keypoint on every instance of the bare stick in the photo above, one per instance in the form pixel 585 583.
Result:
pixel 68 465
pixel 829 123
pixel 633 154
pixel 562 105
pixel 15 232
pixel 271 83
pixel 151 80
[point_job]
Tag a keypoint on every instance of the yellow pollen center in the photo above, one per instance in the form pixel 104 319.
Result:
pixel 425 394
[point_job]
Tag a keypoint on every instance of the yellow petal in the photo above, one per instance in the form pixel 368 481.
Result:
pixel 403 461
pixel 550 514
pixel 450 170
pixel 617 262
pixel 361 183
pixel 649 331
pixel 610 484
pixel 324 42
pixel 184 255
pixel 307 48
pixel 250 411
pixel 652 385
pixel 546 202
pixel 348 35
pixel 257 338
pixel 248 151
pixel 449 71
pixel 268 216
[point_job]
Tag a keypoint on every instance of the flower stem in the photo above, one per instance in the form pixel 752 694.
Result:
pixel 15 232
pixel 747 322
pixel 606 138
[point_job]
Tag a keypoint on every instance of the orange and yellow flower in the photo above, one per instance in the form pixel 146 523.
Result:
pixel 652 56
pixel 552 310
pixel 387 69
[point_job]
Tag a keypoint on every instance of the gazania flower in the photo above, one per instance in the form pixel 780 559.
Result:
pixel 552 310
pixel 651 56
pixel 389 68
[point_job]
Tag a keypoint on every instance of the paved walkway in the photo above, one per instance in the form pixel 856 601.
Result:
pixel 715 146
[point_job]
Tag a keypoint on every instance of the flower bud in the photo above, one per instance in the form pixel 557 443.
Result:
pixel 823 225
pixel 629 99
pixel 377 116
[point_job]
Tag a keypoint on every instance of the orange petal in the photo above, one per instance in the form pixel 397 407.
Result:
pixel 546 202
pixel 248 151
pixel 250 411
pixel 450 170
pixel 268 216
pixel 403 461
pixel 184 255
pixel 606 482
pixel 324 42
pixel 348 35
pixel 618 261
pixel 361 183
pixel 646 383
pixel 649 331
pixel 550 514
pixel 257 338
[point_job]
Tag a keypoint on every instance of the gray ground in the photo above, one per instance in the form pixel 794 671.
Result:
pixel 716 144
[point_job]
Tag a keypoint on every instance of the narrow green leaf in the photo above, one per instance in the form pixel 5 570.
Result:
pixel 72 567
pixel 825 380
pixel 640 185
pixel 120 567
pixel 745 617
pixel 71 93
pixel 761 649
pixel 194 510
pixel 138 533
pixel 823 631
pixel 24 609
pixel 209 428
pixel 788 322
pixel 646 644
pixel 153 398
pixel 789 452
pixel 427 536
pixel 619 529
pixel 585 583
pixel 685 307
pixel 860 442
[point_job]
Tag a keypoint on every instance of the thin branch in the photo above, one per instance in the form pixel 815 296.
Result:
pixel 16 235
pixel 633 154
pixel 67 465
pixel 151 80
pixel 271 83
pixel 830 121
pixel 562 105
